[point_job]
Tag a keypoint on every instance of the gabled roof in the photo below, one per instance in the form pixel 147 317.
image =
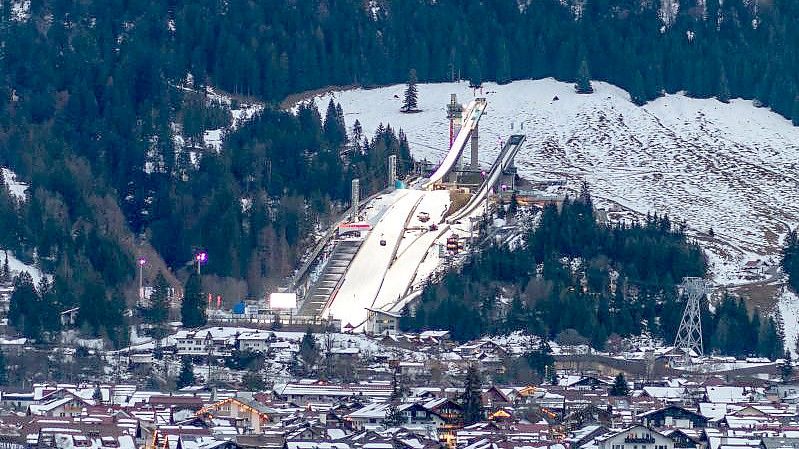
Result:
pixel 669 408
pixel 628 429
pixel 245 403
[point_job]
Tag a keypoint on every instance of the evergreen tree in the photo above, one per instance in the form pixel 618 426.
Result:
pixel 6 273
pixel 335 132
pixel 790 259
pixel 186 376
pixel 97 394
pixel 398 387
pixel 786 370
pixel 3 369
pixel 724 87
pixel 471 399
pixel 620 387
pixel 795 111
pixel 309 351
pixel 769 343
pixel 410 100
pixel 192 309
pixel 637 92
pixel 583 85
pixel 475 74
pixel 357 131
pixel 25 312
pixel 541 360
pixel 158 312
pixel 394 416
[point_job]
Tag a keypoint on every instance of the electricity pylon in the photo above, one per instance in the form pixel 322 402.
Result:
pixel 689 335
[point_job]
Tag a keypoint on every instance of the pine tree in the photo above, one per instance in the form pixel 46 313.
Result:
pixel 309 351
pixel 583 85
pixel 357 131
pixel 724 87
pixel 97 394
pixel 471 400
pixel 3 369
pixel 637 93
pixel 620 387
pixel 394 417
pixel 410 101
pixel 186 376
pixel 335 132
pixel 192 309
pixel 6 274
pixel 504 64
pixel 786 370
pixel 25 311
pixel 795 111
pixel 158 313
pixel 540 359
pixel 475 74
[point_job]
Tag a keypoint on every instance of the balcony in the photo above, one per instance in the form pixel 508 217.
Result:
pixel 634 439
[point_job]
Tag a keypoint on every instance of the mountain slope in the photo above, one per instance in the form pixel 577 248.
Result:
pixel 730 167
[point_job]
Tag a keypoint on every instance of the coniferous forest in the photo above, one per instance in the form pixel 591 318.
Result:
pixel 582 281
pixel 91 93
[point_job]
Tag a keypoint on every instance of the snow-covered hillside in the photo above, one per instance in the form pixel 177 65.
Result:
pixel 15 187
pixel 730 167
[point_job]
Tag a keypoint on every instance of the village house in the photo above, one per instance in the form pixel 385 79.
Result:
pixel 673 416
pixel 247 415
pixel 635 437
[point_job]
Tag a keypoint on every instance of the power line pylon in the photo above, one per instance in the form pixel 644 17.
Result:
pixel 689 335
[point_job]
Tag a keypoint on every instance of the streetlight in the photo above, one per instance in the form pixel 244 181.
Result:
pixel 142 262
pixel 200 258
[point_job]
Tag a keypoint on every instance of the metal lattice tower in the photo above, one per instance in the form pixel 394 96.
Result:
pixel 689 335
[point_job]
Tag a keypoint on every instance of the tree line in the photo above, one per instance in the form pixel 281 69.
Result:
pixel 578 277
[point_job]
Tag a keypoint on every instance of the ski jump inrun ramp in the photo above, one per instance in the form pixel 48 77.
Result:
pixel 472 113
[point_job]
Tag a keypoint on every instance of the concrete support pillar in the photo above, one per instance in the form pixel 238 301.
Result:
pixel 392 171
pixel 475 164
pixel 356 195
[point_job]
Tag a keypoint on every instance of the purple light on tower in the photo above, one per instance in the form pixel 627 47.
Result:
pixel 201 258
pixel 142 261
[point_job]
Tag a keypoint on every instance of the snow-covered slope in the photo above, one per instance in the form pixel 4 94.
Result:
pixel 730 167
pixel 17 266
pixel 15 187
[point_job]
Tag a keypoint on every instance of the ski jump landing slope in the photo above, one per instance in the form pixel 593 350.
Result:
pixel 368 269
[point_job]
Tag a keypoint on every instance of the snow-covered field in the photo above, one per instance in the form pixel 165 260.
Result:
pixel 730 167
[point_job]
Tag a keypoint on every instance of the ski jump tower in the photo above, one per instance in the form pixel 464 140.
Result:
pixel 689 335
pixel 455 115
